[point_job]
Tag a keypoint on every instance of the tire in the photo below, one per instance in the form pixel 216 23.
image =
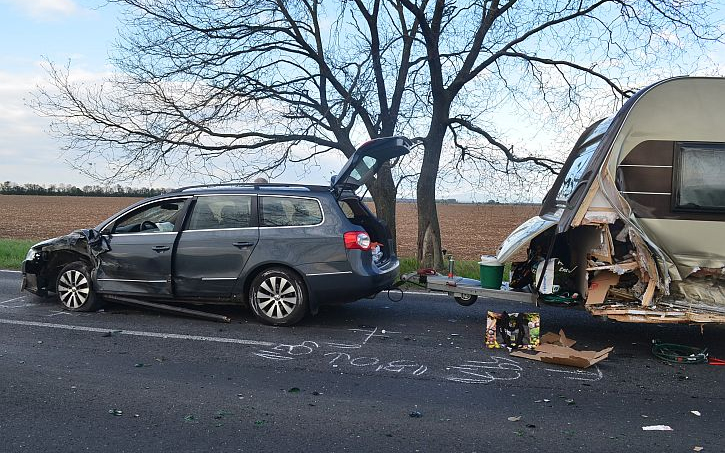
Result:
pixel 277 297
pixel 74 289
pixel 466 299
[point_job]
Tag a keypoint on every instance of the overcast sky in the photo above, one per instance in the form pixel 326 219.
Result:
pixel 82 32
pixel 31 30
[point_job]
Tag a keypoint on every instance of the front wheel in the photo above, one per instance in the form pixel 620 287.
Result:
pixel 277 297
pixel 74 288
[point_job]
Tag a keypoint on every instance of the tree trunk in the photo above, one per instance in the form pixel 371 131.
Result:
pixel 384 193
pixel 430 252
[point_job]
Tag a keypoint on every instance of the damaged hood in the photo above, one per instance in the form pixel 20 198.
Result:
pixel 86 241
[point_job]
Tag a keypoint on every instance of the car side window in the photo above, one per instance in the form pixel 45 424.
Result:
pixel 155 218
pixel 289 211
pixel 221 212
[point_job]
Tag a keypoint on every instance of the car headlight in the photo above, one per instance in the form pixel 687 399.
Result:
pixel 32 254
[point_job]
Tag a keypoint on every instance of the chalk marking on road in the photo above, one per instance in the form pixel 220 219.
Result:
pixel 344 345
pixel 580 375
pixel 272 355
pixel 373 333
pixel 136 333
pixel 478 369
pixel 2 304
pixel 11 300
pixel 62 313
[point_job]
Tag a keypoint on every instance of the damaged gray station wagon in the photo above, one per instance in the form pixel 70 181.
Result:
pixel 283 249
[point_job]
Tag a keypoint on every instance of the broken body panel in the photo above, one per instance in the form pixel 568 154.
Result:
pixel 633 223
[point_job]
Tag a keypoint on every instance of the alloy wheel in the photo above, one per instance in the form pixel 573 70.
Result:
pixel 276 297
pixel 73 289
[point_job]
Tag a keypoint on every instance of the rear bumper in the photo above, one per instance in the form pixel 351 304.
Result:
pixel 347 286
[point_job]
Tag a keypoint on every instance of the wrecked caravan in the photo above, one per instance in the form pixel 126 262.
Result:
pixel 633 226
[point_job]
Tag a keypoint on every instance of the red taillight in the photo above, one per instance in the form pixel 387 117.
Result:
pixel 357 240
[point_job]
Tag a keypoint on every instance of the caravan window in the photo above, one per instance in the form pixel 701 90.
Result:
pixel 699 177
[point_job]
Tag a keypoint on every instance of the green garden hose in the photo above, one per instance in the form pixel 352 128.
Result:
pixel 676 353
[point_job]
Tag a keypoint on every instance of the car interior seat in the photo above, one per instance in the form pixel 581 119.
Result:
pixel 203 218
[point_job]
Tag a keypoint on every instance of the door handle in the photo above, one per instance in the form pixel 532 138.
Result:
pixel 160 248
pixel 241 245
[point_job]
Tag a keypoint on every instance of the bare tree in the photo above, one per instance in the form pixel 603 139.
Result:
pixel 238 88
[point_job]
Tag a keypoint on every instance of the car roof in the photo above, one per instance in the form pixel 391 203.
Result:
pixel 250 188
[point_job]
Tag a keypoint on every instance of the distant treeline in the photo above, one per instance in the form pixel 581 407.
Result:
pixel 11 188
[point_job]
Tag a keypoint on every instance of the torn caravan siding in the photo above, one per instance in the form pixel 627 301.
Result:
pixel 633 224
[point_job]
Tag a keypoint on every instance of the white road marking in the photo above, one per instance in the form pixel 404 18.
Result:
pixel 136 333
pixel 12 272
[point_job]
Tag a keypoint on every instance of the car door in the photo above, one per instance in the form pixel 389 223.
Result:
pixel 214 247
pixel 141 247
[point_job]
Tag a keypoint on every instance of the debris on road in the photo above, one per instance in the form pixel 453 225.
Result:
pixel 221 414
pixel 116 412
pixel 512 330
pixel 166 308
pixel 557 349
pixel 696 413
pixel 415 414
pixel 111 333
pixel 679 354
pixel 514 419
pixel 657 428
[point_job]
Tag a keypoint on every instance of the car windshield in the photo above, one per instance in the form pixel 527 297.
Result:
pixel 575 173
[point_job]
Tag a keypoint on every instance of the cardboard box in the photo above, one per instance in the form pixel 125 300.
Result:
pixel 599 287
pixel 558 349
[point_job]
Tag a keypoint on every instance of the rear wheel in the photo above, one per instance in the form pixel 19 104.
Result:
pixel 466 299
pixel 74 288
pixel 277 297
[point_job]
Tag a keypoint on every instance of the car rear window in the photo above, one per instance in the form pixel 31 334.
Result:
pixel 221 212
pixel 289 211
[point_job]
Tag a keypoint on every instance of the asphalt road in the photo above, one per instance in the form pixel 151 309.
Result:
pixel 349 379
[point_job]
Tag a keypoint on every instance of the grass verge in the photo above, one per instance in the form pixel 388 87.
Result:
pixel 12 252
pixel 467 269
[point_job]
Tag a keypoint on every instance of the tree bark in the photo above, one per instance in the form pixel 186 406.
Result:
pixel 430 252
pixel 384 195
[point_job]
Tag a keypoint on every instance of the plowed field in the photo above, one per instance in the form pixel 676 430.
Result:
pixel 468 230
